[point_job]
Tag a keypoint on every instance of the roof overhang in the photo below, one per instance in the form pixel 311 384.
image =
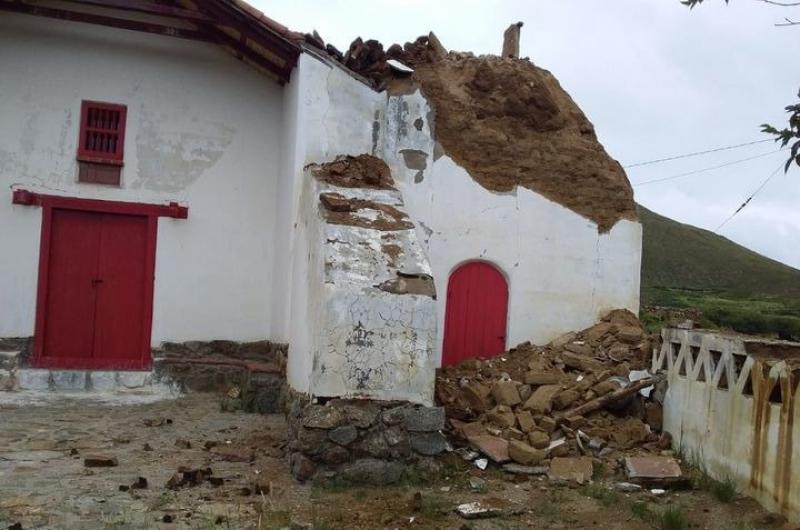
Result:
pixel 242 30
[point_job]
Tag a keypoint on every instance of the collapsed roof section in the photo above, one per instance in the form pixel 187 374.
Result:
pixel 507 122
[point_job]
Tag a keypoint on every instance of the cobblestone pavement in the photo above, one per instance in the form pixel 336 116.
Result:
pixel 45 484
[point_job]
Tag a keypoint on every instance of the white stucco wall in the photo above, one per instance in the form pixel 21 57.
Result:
pixel 562 274
pixel 202 129
pixel 334 115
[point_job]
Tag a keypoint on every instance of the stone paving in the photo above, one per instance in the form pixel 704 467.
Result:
pixel 45 484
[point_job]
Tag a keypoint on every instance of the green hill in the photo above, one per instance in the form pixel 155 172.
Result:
pixel 734 287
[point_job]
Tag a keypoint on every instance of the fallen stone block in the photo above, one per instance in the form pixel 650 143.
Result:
pixel 525 421
pixel 653 470
pixel 564 399
pixel 537 378
pixel 502 416
pixel 630 334
pixel 494 447
pixel 547 424
pixel 468 429
pixel 524 454
pixel 541 401
pixel 539 439
pixel 506 393
pixel 477 396
pixel 578 470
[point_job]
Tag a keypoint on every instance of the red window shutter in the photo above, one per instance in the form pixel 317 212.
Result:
pixel 102 135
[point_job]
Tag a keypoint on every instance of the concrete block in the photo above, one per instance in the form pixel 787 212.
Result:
pixel 70 380
pixel 102 381
pixel 131 380
pixel 31 379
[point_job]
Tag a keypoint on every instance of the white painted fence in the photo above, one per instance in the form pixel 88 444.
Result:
pixel 731 406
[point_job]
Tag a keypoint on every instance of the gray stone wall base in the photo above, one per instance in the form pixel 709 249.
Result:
pixel 360 440
pixel 254 369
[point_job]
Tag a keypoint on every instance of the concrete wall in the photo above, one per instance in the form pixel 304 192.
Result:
pixel 562 274
pixel 203 129
pixel 732 409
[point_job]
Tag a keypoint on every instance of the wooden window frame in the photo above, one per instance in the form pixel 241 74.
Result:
pixel 98 157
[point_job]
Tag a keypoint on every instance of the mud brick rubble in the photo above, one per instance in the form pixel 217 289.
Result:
pixel 530 409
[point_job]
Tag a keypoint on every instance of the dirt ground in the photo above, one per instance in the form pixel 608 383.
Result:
pixel 45 484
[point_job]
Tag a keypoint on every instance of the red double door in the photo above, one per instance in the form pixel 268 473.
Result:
pixel 476 313
pixel 95 298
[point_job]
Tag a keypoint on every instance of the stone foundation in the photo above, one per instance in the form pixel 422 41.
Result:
pixel 253 372
pixel 361 440
pixel 256 369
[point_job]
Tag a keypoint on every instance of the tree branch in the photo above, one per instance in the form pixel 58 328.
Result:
pixel 781 4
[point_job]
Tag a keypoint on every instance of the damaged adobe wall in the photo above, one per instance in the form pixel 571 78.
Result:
pixel 496 163
pixel 563 274
pixel 509 123
pixel 369 302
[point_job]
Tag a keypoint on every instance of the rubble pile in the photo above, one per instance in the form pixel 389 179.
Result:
pixel 582 395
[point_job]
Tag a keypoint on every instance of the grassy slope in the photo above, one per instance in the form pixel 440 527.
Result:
pixel 685 266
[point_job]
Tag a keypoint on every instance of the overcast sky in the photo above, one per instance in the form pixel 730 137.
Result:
pixel 655 79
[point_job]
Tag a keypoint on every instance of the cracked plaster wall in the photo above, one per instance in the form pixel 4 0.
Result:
pixel 359 340
pixel 203 129
pixel 562 274
pixel 327 113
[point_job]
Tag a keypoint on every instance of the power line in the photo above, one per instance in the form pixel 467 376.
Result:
pixel 750 198
pixel 698 153
pixel 672 177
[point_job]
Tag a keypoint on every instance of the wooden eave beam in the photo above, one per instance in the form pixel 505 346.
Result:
pixel 148 7
pixel 102 20
pixel 244 24
pixel 245 52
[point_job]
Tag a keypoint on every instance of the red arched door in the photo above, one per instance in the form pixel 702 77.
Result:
pixel 475 315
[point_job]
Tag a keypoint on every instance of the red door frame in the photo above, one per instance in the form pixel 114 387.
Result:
pixel 50 202
pixel 448 323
